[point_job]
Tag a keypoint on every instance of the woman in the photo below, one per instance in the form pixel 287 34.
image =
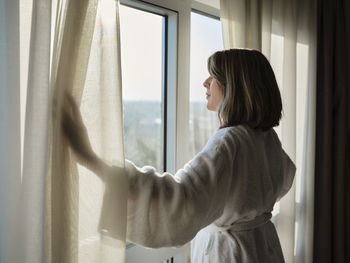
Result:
pixel 222 199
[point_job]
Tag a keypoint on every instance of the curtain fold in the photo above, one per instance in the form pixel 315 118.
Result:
pixel 32 194
pixel 284 31
pixel 86 64
pixel 52 209
pixel 70 61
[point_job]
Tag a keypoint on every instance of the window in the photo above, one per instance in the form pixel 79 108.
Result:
pixel 148 58
pixel 156 51
pixel 203 44
pixel 142 54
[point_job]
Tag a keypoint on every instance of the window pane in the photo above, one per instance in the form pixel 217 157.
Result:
pixel 204 43
pixel 141 58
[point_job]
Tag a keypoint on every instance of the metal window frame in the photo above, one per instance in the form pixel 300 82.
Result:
pixel 169 83
pixel 194 10
pixel 169 76
pixel 176 99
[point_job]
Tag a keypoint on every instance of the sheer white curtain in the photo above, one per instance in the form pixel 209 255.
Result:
pixel 285 33
pixel 22 195
pixel 52 210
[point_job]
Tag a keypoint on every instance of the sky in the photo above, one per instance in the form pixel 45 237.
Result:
pixel 141 54
pixel 141 49
pixel 203 44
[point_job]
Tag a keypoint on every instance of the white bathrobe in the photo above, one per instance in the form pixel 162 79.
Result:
pixel 221 199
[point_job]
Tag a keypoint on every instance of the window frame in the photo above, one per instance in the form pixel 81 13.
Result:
pixel 193 10
pixel 176 98
pixel 169 73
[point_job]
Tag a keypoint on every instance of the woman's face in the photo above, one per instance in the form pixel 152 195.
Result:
pixel 213 93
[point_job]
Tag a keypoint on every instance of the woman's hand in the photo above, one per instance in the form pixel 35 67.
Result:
pixel 76 133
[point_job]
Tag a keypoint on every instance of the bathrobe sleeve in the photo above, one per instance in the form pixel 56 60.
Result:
pixel 169 210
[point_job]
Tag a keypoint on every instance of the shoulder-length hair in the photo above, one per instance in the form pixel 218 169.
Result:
pixel 250 94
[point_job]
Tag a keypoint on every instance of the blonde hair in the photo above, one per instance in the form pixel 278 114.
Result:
pixel 250 94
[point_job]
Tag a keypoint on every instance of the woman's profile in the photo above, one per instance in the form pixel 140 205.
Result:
pixel 222 199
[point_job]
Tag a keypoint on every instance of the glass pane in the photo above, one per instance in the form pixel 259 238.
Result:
pixel 141 59
pixel 204 43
